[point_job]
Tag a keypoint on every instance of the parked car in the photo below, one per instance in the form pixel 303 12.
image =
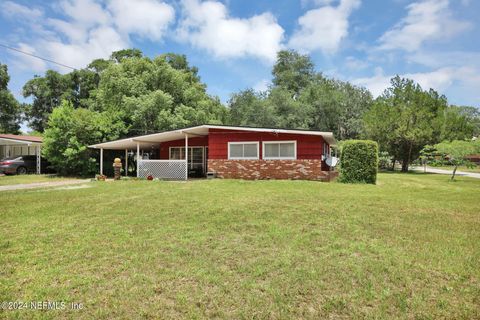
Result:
pixel 22 165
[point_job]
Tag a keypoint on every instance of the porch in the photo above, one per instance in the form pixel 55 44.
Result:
pixel 172 155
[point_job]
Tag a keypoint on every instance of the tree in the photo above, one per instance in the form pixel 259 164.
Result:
pixel 129 86
pixel 302 98
pixel 336 106
pixel 249 108
pixel 460 123
pixel 356 101
pixel 292 71
pixel 140 86
pixel 404 119
pixel 180 62
pixel 427 154
pixel 68 134
pixel 118 56
pixel 47 93
pixel 289 112
pixel 10 112
pixel 457 150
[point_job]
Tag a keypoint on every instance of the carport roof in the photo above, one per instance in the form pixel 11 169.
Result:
pixel 13 139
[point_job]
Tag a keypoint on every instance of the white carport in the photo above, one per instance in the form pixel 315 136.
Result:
pixel 16 145
pixel 166 169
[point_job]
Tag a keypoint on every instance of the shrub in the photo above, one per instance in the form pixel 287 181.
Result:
pixel 68 134
pixel 384 160
pixel 359 161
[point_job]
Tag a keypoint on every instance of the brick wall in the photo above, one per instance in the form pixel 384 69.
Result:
pixel 305 169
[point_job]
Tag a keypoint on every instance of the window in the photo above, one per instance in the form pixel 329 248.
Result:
pixel 243 150
pixel 279 150
pixel 326 151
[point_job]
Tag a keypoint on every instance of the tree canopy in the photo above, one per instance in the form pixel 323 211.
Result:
pixel 10 111
pixel 457 150
pixel 147 95
pixel 68 134
pixel 405 118
pixel 301 98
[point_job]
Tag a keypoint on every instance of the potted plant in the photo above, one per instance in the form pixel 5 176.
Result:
pixel 100 177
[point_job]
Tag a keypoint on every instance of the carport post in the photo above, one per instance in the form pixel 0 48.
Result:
pixel 101 161
pixel 138 159
pixel 39 159
pixel 186 156
pixel 126 162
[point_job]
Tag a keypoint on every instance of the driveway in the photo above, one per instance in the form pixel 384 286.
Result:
pixel 449 172
pixel 42 184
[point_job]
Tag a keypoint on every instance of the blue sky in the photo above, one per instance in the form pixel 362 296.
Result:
pixel 233 42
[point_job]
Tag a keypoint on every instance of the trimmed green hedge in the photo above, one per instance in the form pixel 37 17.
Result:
pixel 359 161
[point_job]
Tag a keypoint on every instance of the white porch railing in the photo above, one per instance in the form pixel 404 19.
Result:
pixel 163 169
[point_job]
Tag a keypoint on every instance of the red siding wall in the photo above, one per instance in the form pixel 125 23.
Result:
pixel 308 147
pixel 192 142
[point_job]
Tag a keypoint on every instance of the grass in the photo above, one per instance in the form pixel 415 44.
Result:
pixel 475 169
pixel 408 247
pixel 28 178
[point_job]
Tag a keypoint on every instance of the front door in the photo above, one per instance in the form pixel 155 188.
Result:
pixel 196 159
pixel 195 162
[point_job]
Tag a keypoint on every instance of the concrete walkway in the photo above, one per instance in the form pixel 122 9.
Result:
pixel 42 184
pixel 449 172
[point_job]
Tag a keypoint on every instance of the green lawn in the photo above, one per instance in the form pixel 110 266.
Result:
pixel 408 248
pixel 28 178
pixel 475 169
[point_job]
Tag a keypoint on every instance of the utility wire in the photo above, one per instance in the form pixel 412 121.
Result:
pixel 35 56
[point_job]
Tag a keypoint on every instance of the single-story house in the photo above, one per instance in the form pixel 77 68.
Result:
pixel 228 152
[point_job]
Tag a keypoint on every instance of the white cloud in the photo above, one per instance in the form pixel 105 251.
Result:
pixel 148 18
pixel 425 20
pixel 376 84
pixel 261 85
pixel 88 29
pixel 100 43
pixel 11 9
pixel 355 64
pixel 25 62
pixel 316 2
pixel 72 31
pixel 323 28
pixel 85 13
pixel 440 79
pixel 207 25
pixel 438 59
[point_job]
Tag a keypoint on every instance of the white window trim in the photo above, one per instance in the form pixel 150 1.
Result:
pixel 183 147
pixel 243 158
pixel 280 158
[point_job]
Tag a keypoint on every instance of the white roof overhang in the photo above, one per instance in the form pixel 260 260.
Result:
pixel 147 141
pixel 15 142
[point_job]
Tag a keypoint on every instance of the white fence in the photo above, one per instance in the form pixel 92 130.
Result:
pixel 163 169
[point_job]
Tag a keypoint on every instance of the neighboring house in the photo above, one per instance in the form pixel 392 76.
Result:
pixel 475 158
pixel 229 152
pixel 12 145
pixel 17 145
